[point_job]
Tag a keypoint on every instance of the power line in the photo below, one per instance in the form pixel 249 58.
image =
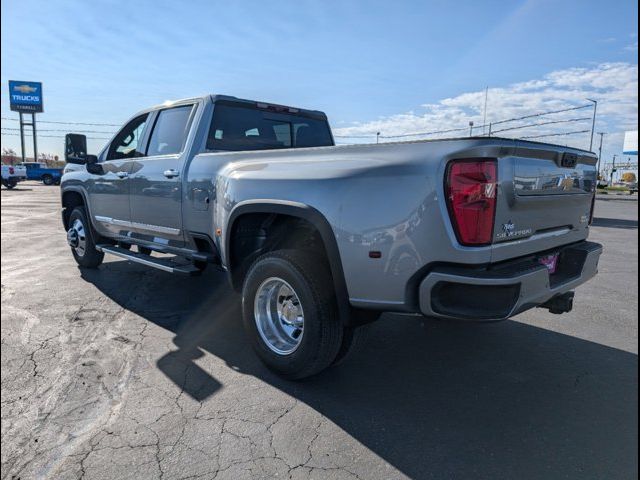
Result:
pixel 61 130
pixel 556 134
pixel 354 136
pixel 69 123
pixel 372 135
pixel 581 119
pixel 424 133
pixel 403 135
pixel 550 112
pixel 57 136
pixel 500 122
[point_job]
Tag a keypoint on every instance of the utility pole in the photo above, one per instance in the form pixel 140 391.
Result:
pixel 602 134
pixel 593 123
pixel 484 119
pixel 613 170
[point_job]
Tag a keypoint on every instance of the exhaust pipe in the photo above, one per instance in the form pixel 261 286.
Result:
pixel 562 303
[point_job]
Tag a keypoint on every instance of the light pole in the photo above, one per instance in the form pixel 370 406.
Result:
pixel 471 129
pixel 593 123
pixel 602 134
pixel 377 137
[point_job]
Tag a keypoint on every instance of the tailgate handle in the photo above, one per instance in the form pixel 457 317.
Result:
pixel 569 160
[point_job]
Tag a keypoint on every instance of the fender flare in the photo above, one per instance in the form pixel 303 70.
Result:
pixel 315 218
pixel 85 200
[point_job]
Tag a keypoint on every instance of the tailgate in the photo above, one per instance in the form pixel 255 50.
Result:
pixel 545 199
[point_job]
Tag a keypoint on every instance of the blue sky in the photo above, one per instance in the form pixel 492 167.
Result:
pixel 399 66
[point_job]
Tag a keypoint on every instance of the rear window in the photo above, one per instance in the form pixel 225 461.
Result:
pixel 236 128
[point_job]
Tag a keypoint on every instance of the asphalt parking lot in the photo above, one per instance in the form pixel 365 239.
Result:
pixel 127 372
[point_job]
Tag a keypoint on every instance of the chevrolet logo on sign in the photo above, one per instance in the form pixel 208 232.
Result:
pixel 25 96
pixel 25 88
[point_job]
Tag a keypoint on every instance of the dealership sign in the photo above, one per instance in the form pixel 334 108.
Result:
pixel 25 97
pixel 630 143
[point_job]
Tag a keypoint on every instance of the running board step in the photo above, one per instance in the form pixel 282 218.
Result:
pixel 164 264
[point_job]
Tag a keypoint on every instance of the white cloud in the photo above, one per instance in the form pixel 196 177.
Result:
pixel 613 85
pixel 633 47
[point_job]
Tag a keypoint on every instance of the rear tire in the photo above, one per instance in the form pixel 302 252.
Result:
pixel 309 305
pixel 47 180
pixel 81 240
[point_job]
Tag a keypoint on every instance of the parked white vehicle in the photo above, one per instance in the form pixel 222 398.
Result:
pixel 12 174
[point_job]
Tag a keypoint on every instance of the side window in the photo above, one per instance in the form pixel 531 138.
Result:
pixel 170 131
pixel 125 144
pixel 235 128
pixel 240 128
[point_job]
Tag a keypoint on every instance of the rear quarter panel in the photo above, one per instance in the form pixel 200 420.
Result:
pixel 386 198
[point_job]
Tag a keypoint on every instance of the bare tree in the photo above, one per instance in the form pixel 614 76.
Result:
pixel 9 155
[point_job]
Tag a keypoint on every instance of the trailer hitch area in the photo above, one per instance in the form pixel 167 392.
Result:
pixel 562 303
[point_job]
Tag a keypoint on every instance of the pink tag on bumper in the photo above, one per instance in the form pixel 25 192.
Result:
pixel 550 261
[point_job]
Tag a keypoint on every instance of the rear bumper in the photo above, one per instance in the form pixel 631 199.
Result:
pixel 505 290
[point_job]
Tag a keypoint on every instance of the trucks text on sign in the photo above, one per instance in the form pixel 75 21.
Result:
pixel 25 97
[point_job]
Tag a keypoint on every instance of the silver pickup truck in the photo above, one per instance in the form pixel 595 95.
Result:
pixel 320 239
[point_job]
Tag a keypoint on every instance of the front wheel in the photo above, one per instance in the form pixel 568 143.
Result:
pixel 80 239
pixel 290 313
pixel 10 183
pixel 47 180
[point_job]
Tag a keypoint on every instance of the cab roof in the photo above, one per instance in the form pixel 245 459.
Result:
pixel 215 98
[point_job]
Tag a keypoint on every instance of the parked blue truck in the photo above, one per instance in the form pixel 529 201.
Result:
pixel 40 171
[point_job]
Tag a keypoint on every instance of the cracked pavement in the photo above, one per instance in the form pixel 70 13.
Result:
pixel 127 372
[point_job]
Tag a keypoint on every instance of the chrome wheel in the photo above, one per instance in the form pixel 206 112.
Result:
pixel 278 315
pixel 77 237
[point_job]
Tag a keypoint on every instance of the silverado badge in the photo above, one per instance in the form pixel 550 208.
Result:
pixel 509 230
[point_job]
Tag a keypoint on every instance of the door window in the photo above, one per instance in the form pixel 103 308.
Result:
pixel 127 143
pixel 170 131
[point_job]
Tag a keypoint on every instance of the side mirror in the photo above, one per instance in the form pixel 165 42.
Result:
pixel 75 150
pixel 93 166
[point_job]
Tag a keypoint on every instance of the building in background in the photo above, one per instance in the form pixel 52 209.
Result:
pixel 625 165
pixel 630 143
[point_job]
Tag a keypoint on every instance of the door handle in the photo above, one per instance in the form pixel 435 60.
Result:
pixel 122 174
pixel 171 173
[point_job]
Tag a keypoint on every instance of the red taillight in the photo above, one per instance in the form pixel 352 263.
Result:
pixel 471 198
pixel 11 171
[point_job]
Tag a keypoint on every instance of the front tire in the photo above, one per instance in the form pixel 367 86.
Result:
pixel 47 180
pixel 290 313
pixel 81 240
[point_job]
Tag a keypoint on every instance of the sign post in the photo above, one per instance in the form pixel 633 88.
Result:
pixel 26 97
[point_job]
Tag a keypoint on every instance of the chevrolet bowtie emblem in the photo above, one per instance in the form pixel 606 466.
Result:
pixel 24 88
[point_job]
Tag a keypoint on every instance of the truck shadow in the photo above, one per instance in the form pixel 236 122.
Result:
pixel 615 223
pixel 433 399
